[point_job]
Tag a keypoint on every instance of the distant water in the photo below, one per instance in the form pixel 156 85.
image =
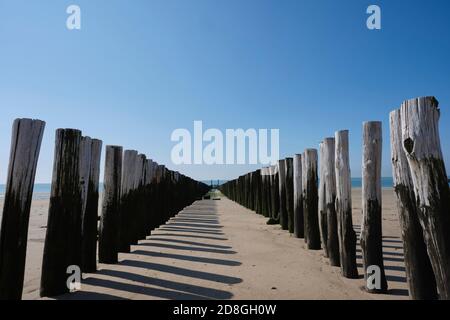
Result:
pixel 42 190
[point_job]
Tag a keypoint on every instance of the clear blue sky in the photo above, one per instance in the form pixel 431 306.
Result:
pixel 140 69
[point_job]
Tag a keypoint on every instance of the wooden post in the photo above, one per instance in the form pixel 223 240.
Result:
pixel 85 169
pixel 290 193
pixel 110 220
pixel 126 201
pixel 63 240
pixel 419 273
pixel 90 217
pixel 421 142
pixel 347 235
pixel 323 220
pixel 275 199
pixel 299 230
pixel 25 148
pixel 311 199
pixel 329 177
pixel 282 190
pixel 371 228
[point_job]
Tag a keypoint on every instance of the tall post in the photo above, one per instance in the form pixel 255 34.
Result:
pixel 274 195
pixel 90 217
pixel 62 247
pixel 311 199
pixel 421 142
pixel 282 190
pixel 110 220
pixel 419 273
pixel 329 177
pixel 25 148
pixel 126 202
pixel 299 230
pixel 347 235
pixel 371 228
pixel 323 221
pixel 290 193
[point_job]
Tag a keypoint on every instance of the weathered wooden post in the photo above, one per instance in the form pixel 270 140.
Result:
pixel 111 209
pixel 328 202
pixel 274 193
pixel 126 202
pixel 419 273
pixel 63 240
pixel 138 221
pixel 421 142
pixel 290 193
pixel 371 228
pixel 25 148
pixel 282 191
pixel 347 235
pixel 311 199
pixel 299 230
pixel 323 221
pixel 85 169
pixel 90 217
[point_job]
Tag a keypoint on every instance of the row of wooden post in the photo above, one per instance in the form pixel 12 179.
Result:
pixel 139 196
pixel 315 203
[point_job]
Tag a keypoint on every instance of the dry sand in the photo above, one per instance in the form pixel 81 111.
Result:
pixel 220 250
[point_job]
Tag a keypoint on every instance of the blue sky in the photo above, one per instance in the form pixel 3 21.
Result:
pixel 140 69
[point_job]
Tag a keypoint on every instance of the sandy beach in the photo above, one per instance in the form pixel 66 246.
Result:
pixel 220 250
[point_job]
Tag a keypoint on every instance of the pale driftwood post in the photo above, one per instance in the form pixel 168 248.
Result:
pixel 25 147
pixel 299 230
pixel 290 193
pixel 311 199
pixel 110 220
pixel 322 201
pixel 329 177
pixel 419 273
pixel 421 142
pixel 126 202
pixel 282 190
pixel 371 227
pixel 347 235
pixel 63 240
pixel 90 217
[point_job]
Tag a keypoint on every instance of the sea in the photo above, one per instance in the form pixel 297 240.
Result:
pixel 42 190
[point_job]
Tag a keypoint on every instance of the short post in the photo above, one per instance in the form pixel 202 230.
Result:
pixel 62 247
pixel 290 193
pixel 421 142
pixel 90 217
pixel 110 220
pixel 419 273
pixel 282 190
pixel 25 148
pixel 311 199
pixel 299 230
pixel 371 228
pixel 347 235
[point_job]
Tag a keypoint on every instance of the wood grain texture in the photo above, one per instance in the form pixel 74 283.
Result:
pixel 25 148
pixel 63 239
pixel 421 143
pixel 371 227
pixel 419 272
pixel 347 235
pixel 311 199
